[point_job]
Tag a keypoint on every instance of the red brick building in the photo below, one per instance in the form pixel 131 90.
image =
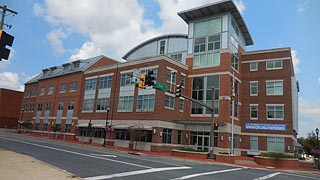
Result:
pixel 10 106
pixel 255 92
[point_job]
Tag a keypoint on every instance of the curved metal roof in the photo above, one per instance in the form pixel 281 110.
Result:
pixel 218 8
pixel 152 40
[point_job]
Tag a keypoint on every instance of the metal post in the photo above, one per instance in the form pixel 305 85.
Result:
pixel 317 132
pixel 211 156
pixel 105 129
pixel 4 10
pixel 232 114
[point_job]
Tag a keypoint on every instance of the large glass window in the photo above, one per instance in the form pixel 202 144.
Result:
pixel 275 144
pixel 105 82
pixel 91 84
pixel 274 87
pixel 202 91
pixel 254 145
pixel 50 89
pixel 275 64
pixel 167 136
pixel 253 111
pixel 169 102
pixel 63 87
pixel 146 102
pixel 125 103
pixel 177 57
pixel 171 76
pixel 253 88
pixel 88 105
pixel 122 134
pixel 162 47
pixel 126 79
pixel 275 112
pixel 73 86
pixel 71 105
pixel 102 104
pixel 202 139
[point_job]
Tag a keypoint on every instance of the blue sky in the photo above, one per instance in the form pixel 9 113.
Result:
pixel 52 32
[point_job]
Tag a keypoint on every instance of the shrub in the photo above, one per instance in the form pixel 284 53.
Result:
pixel 193 150
pixel 276 155
pixel 223 153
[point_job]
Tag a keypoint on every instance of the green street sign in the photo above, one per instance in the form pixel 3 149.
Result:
pixel 161 86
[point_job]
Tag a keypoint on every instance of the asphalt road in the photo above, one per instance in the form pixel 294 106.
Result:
pixel 94 163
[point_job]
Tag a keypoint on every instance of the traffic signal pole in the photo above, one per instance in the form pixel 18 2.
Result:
pixel 4 10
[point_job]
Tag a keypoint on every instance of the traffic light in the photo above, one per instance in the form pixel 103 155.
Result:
pixel 5 40
pixel 142 81
pixel 149 79
pixel 178 90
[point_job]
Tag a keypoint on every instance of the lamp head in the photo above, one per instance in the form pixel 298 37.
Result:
pixel 317 130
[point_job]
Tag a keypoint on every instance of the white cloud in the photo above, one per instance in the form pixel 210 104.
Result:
pixel 319 80
pixel 89 49
pixel 296 61
pixel 10 80
pixel 309 113
pixel 114 26
pixel 301 7
pixel 55 38
pixel 38 10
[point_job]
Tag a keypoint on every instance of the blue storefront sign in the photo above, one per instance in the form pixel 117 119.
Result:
pixel 260 126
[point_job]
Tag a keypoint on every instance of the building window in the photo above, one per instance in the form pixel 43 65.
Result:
pixel 71 105
pixel 203 60
pixel 201 139
pixel 48 106
pixel 235 62
pixel 122 134
pixel 177 57
pixel 73 86
pixel 60 106
pixel 183 81
pixel 146 102
pixel 275 64
pixel 36 126
pixel 45 127
pixel 167 136
pixel 253 66
pixel 42 90
pixel 162 47
pixel 32 107
pixel 88 105
pixel 155 72
pixel 39 107
pixel 105 82
pixel 274 87
pixel 171 76
pixel 103 104
pixel 67 128
pixel 254 145
pixel 76 65
pixel 143 135
pixel 275 112
pixel 202 91
pixel 253 88
pixel 199 45
pixel 125 103
pixel 181 105
pixel 179 136
pixel 126 79
pixel 91 84
pixel 169 102
pixel 66 68
pixel 253 111
pixel 63 87
pixel 275 144
pixel 50 89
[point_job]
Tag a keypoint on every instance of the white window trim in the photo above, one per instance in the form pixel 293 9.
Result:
pixel 268 81
pixel 257 88
pixel 254 105
pixel 274 119
pixel 254 69
pixel 277 68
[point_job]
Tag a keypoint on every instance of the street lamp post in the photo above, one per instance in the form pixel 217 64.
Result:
pixel 105 129
pixel 317 133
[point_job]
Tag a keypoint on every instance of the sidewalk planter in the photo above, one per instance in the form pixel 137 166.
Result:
pixel 277 162
pixel 225 158
pixel 191 154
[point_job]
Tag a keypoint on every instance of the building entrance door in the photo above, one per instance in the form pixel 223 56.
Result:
pixel 203 142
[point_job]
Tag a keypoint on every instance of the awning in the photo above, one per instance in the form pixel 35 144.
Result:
pixel 93 125
pixel 135 127
pixel 202 123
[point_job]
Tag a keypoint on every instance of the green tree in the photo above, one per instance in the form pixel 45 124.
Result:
pixel 309 142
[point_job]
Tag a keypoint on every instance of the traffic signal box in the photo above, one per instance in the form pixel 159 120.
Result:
pixel 142 82
pixel 5 40
pixel 178 90
pixel 149 79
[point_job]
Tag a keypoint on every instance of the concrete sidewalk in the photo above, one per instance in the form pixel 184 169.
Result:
pixel 20 167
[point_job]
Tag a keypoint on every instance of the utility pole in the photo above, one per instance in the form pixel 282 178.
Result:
pixel 4 10
pixel 211 156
